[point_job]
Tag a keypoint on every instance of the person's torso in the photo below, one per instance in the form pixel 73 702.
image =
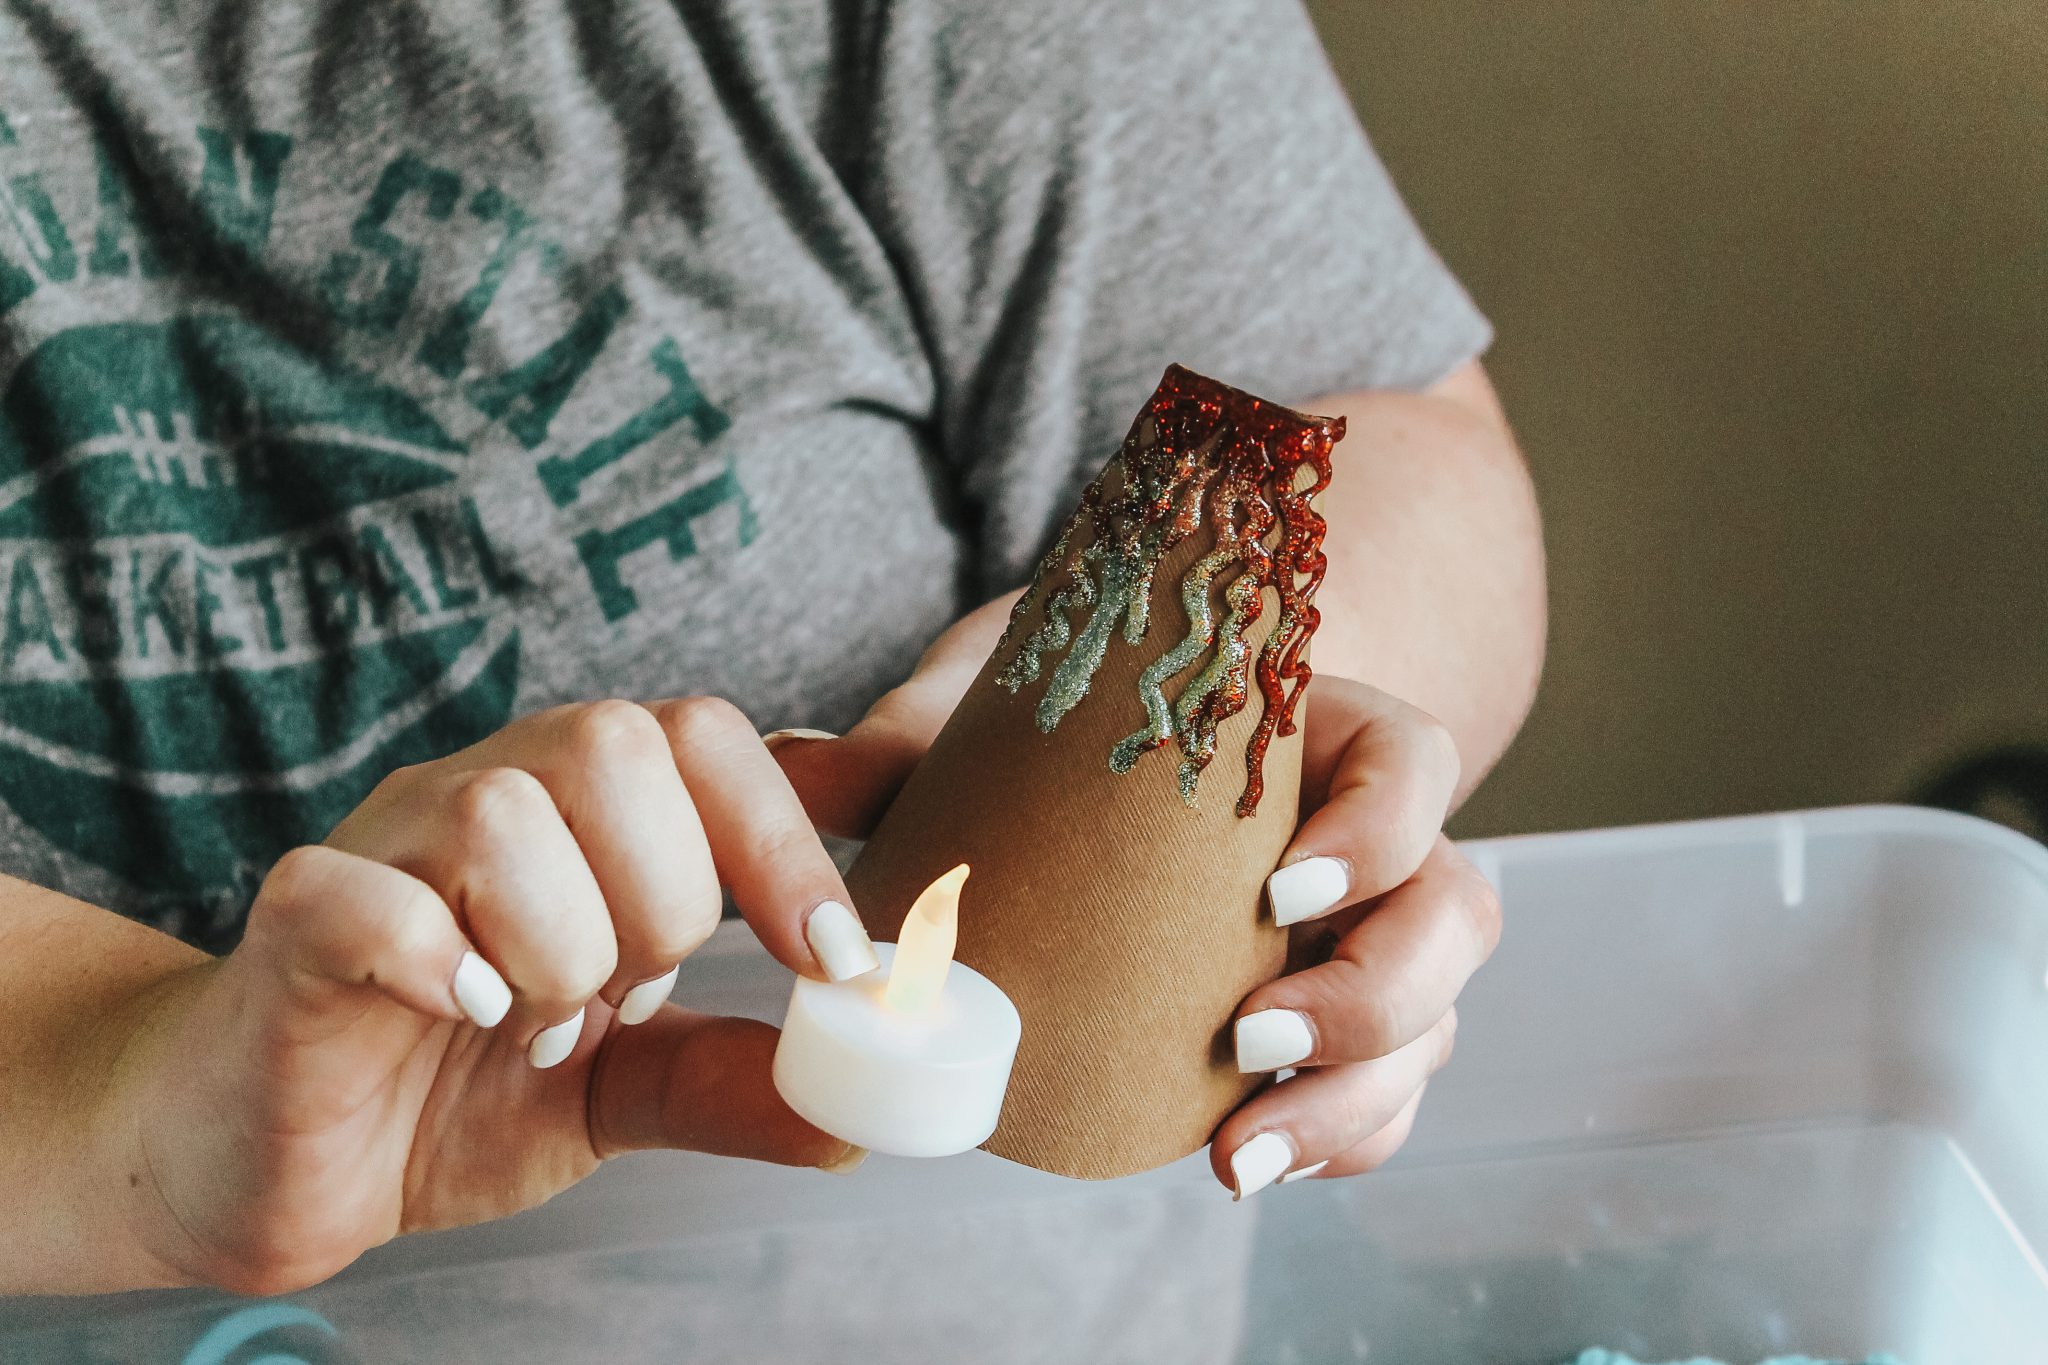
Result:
pixel 373 373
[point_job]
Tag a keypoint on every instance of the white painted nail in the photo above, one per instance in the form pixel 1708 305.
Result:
pixel 1304 1173
pixel 842 945
pixel 1260 1162
pixel 480 991
pixel 775 739
pixel 644 999
pixel 847 1163
pixel 1270 1039
pixel 1306 889
pixel 551 1045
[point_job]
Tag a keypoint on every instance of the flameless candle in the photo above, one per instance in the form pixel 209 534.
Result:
pixel 911 1059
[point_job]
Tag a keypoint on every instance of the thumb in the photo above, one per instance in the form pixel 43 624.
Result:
pixel 329 927
pixel 700 1083
pixel 846 783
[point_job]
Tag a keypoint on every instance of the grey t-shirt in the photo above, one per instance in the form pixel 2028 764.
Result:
pixel 374 371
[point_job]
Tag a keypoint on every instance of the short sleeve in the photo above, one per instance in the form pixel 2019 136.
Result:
pixel 1077 193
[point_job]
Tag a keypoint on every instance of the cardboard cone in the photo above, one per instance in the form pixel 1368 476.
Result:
pixel 1123 776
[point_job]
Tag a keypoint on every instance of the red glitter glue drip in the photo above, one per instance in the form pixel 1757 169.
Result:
pixel 1298 570
pixel 1199 451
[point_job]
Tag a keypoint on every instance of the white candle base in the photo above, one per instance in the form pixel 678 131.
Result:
pixel 924 1084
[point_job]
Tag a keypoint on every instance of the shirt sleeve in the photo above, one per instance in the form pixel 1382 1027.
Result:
pixel 1078 192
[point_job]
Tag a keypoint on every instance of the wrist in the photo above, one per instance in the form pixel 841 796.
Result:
pixel 76 985
pixel 130 1127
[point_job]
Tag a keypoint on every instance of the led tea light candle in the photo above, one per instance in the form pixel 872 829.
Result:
pixel 911 1059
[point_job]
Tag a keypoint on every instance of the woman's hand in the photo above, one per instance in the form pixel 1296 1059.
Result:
pixel 456 1006
pixel 1389 920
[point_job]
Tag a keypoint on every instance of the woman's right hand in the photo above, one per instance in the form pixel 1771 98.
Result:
pixel 457 1006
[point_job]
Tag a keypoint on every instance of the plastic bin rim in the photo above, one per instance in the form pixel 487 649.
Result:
pixel 734 938
pixel 1952 826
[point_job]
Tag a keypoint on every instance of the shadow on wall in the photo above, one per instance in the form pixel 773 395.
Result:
pixel 1772 291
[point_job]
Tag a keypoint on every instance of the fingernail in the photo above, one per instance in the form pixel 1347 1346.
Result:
pixel 775 739
pixel 480 992
pixel 1304 1173
pixel 847 1164
pixel 551 1045
pixel 1269 1039
pixel 1260 1162
pixel 840 942
pixel 643 1000
pixel 1305 889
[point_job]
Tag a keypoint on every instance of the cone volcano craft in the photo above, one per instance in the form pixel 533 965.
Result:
pixel 1123 776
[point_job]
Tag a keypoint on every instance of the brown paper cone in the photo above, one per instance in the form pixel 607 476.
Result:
pixel 1123 921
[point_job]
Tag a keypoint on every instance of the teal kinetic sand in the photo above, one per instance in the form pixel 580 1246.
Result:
pixel 1599 1357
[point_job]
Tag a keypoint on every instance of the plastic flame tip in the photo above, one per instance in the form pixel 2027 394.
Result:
pixel 924 950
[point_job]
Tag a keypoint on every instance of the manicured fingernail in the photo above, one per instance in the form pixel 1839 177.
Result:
pixel 1260 1162
pixel 1304 1173
pixel 551 1045
pixel 480 991
pixel 644 999
pixel 775 739
pixel 1269 1039
pixel 1305 889
pixel 840 942
pixel 847 1164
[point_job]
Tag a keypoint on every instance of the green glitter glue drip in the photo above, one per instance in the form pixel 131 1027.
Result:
pixel 1152 682
pixel 1201 453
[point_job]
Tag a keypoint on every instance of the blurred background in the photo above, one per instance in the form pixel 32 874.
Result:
pixel 1771 283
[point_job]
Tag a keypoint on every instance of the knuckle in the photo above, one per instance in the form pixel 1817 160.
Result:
pixel 1356 1112
pixel 492 801
pixel 590 961
pixel 1437 742
pixel 1446 1040
pixel 701 723
pixel 612 731
pixel 1479 905
pixel 299 884
pixel 580 962
pixel 300 873
pixel 1356 1020
pixel 570 978
pixel 1396 842
pixel 585 983
pixel 308 895
pixel 684 930
pixel 1380 864
pixel 1348 694
pixel 1378 1027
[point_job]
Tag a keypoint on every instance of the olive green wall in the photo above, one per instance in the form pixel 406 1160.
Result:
pixel 1771 282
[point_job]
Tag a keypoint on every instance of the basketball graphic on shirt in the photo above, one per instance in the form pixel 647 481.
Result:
pixel 240 585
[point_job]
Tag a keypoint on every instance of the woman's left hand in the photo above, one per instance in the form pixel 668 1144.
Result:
pixel 1389 921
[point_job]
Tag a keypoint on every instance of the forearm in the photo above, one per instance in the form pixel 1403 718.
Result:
pixel 1435 590
pixel 72 980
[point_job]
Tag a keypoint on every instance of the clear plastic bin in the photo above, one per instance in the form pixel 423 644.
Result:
pixel 1734 1088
